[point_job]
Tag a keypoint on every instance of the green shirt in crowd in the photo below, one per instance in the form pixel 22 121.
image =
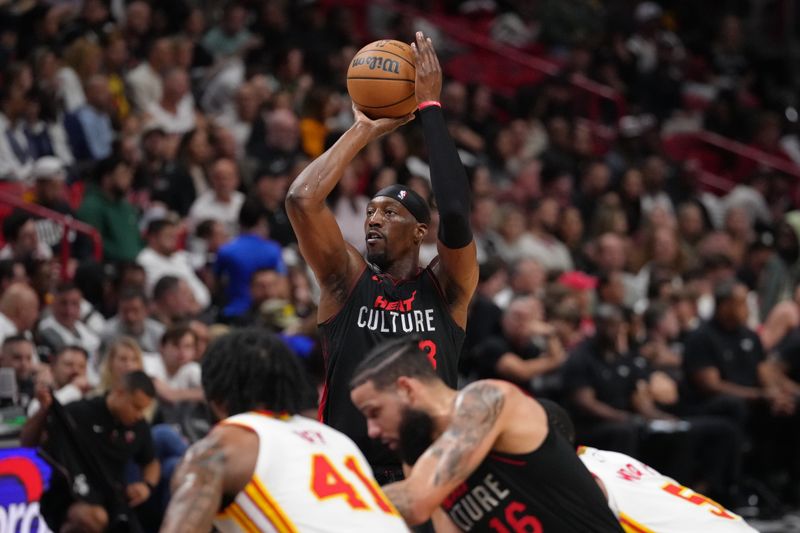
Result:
pixel 116 220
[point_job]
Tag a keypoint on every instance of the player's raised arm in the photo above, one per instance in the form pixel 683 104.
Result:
pixel 197 488
pixel 457 269
pixel 335 263
pixel 450 460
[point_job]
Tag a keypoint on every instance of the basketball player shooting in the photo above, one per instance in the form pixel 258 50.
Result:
pixel 388 295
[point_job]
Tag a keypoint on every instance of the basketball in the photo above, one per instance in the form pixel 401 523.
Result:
pixel 380 79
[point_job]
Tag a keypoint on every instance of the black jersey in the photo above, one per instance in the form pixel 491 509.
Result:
pixel 380 308
pixel 546 491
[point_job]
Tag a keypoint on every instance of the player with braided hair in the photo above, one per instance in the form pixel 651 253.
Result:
pixel 264 467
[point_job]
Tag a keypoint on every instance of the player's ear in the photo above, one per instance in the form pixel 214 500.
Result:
pixel 419 233
pixel 405 388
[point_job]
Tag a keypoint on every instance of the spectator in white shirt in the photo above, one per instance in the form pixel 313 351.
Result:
pixel 64 327
pixel 132 321
pixel 240 117
pixel 174 113
pixel 16 158
pixel 545 247
pixel 19 309
pixel 176 373
pixel 223 201
pixel 144 82
pixel 162 258
pixel 173 302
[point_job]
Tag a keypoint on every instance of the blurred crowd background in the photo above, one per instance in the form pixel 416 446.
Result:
pixel 634 171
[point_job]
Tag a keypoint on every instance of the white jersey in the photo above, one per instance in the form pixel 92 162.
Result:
pixel 308 478
pixel 646 501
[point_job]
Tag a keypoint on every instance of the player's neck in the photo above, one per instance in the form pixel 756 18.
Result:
pixel 441 408
pixel 404 267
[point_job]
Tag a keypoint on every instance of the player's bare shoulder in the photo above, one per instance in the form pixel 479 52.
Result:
pixel 511 405
pixel 482 402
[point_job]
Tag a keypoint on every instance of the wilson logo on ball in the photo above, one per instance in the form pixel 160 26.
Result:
pixel 379 63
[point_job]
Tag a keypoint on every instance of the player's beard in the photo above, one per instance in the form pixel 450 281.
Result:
pixel 416 434
pixel 379 259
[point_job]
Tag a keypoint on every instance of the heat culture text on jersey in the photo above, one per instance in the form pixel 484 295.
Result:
pixel 467 506
pixel 397 316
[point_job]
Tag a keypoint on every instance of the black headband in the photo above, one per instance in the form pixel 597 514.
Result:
pixel 410 200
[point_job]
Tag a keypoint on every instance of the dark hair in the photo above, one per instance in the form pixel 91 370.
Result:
pixel 139 381
pixel 65 287
pixel 654 314
pixel 252 369
pixel 70 348
pixel 392 359
pixel 157 226
pixel 251 213
pixel 715 262
pixel 724 291
pixel 123 268
pixel 13 224
pixel 205 228
pixel 90 277
pixel 7 268
pixel 132 293
pixel 489 268
pixel 174 334
pixel 13 339
pixel 605 278
pixel 261 271
pixel 107 166
pixel 164 286
pixel 558 419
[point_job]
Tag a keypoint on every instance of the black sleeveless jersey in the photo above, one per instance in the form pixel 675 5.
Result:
pixel 380 308
pixel 545 491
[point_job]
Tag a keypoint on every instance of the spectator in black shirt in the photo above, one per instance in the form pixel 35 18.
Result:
pixel 729 375
pixel 606 386
pixel 725 358
pixel 611 288
pixel 269 189
pixel 528 352
pixel 484 315
pixel 109 432
pixel 787 359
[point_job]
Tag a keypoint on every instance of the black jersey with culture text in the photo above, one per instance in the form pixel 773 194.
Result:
pixel 545 491
pixel 380 308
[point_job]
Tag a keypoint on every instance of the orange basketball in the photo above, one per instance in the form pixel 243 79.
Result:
pixel 380 79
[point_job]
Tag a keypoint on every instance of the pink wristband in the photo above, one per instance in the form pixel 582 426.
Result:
pixel 428 103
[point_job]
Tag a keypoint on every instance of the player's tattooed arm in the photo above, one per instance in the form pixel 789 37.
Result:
pixel 454 455
pixel 477 409
pixel 400 497
pixel 196 488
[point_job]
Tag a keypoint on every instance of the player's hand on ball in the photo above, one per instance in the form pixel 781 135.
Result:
pixel 429 73
pixel 379 126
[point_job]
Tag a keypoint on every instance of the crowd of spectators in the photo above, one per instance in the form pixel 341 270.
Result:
pixel 664 317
